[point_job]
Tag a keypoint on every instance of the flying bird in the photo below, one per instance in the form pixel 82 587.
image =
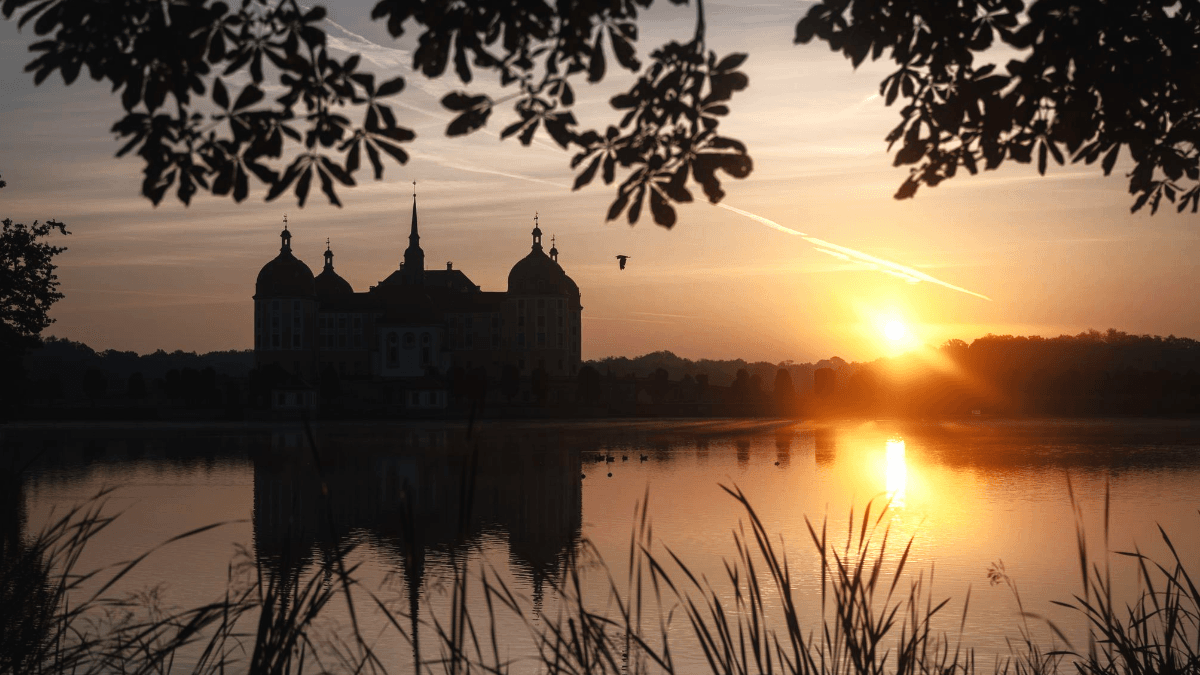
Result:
pixel 622 258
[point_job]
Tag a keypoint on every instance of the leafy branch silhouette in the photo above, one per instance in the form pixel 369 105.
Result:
pixel 172 62
pixel 1087 79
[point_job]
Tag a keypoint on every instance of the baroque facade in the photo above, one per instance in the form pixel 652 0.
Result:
pixel 417 325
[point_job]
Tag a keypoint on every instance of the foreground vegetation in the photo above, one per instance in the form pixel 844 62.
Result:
pixel 873 618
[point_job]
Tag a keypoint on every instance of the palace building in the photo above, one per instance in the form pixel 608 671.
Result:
pixel 411 330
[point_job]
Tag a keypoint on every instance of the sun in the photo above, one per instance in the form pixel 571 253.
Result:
pixel 894 330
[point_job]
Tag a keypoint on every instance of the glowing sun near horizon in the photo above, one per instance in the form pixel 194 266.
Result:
pixel 894 330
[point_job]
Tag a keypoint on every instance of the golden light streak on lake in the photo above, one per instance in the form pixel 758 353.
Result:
pixel 896 472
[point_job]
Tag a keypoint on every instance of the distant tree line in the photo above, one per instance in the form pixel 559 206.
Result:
pixel 721 373
pixel 65 370
pixel 1090 374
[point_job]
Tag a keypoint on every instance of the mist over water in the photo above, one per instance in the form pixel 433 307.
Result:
pixel 967 494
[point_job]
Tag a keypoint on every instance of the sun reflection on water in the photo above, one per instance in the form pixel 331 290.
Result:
pixel 897 472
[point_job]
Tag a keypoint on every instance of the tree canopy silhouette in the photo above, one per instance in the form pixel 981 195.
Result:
pixel 172 63
pixel 28 284
pixel 1085 79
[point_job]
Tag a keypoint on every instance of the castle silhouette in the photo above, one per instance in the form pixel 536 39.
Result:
pixel 404 337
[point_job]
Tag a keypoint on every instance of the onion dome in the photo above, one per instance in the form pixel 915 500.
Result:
pixel 329 284
pixel 286 276
pixel 538 274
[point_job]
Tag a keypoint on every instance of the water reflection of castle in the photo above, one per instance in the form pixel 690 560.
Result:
pixel 406 499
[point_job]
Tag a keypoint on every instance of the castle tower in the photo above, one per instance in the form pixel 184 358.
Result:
pixel 414 257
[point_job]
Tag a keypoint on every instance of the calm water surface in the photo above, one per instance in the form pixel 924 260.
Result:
pixel 966 494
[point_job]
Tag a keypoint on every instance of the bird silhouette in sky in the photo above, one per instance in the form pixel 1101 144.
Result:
pixel 622 258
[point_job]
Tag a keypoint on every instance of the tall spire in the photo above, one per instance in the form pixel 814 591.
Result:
pixel 328 256
pixel 414 239
pixel 414 257
pixel 553 249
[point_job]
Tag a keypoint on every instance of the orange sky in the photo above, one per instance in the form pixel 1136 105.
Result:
pixel 1059 254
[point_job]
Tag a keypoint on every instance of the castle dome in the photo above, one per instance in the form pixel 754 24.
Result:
pixel 286 276
pixel 538 274
pixel 329 284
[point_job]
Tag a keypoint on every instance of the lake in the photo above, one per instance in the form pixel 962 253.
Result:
pixel 967 494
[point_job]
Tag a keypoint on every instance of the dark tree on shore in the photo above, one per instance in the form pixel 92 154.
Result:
pixel 28 284
pixel 136 386
pixel 94 384
pixel 784 390
pixel 589 385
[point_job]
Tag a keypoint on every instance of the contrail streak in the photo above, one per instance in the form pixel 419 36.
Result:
pixel 480 169
pixel 903 271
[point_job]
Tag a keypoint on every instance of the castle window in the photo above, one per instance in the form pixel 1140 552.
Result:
pixel 295 307
pixel 425 339
pixel 541 339
pixel 470 339
pixel 358 340
pixel 520 321
pixel 275 340
pixel 521 305
pixel 561 340
pixel 495 340
pixel 341 340
pixel 424 356
pixel 342 322
pixel 495 322
pixel 275 305
pixel 393 350
pixel 410 340
pixel 295 340
pixel 541 302
pixel 520 340
pixel 541 322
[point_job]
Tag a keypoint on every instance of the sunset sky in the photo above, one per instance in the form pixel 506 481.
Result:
pixel 1015 253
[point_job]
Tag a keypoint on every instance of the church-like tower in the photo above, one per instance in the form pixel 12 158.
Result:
pixel 414 258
